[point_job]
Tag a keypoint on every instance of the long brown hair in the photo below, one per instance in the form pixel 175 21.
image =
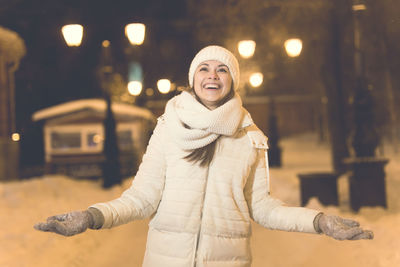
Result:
pixel 205 154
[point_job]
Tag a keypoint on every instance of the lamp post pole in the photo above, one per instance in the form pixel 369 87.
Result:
pixel 367 178
pixel 293 48
pixel 246 50
pixel 111 167
pixel 365 137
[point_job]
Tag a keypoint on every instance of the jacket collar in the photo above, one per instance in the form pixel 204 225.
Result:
pixel 247 120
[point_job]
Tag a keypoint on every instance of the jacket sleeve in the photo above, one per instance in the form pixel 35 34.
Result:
pixel 142 198
pixel 269 212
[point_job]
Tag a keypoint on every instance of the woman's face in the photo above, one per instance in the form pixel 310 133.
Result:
pixel 212 82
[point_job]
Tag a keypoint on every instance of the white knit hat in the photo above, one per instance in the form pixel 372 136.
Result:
pixel 214 52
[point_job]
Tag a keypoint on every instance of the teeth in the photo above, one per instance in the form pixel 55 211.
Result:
pixel 211 86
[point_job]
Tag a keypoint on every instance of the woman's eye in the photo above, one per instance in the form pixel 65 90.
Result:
pixel 222 70
pixel 203 69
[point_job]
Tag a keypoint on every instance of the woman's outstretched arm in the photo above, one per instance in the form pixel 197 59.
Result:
pixel 138 202
pixel 273 214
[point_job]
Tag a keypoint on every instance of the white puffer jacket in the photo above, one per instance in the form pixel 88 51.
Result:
pixel 201 215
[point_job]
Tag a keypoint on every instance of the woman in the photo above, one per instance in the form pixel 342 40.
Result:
pixel 203 177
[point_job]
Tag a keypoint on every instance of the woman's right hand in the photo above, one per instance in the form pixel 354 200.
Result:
pixel 67 224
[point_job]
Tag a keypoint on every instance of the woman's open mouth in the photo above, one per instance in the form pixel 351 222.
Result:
pixel 211 86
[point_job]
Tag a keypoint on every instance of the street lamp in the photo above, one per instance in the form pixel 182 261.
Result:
pixel 135 33
pixel 15 137
pixel 256 79
pixel 72 34
pixel 135 88
pixel 293 47
pixel 246 48
pixel 164 86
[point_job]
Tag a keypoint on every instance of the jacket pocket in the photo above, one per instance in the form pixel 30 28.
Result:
pixel 225 249
pixel 169 247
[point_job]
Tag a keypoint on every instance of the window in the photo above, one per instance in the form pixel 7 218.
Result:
pixel 94 139
pixel 65 141
pixel 125 141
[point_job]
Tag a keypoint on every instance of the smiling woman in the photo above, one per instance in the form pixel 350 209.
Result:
pixel 201 207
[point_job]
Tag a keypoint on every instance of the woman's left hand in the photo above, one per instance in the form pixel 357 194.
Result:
pixel 67 224
pixel 342 229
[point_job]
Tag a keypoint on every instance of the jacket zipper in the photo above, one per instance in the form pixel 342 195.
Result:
pixel 201 219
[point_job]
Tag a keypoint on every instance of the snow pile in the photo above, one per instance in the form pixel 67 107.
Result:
pixel 24 203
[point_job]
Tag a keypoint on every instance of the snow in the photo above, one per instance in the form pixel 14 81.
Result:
pixel 94 104
pixel 26 202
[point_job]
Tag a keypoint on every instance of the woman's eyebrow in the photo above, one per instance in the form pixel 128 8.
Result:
pixel 222 65
pixel 204 64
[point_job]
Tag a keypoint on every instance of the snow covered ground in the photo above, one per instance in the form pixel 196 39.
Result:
pixel 24 203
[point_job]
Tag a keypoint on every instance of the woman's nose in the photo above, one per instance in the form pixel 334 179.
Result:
pixel 213 75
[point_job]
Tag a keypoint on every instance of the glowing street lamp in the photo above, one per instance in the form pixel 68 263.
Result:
pixel 105 43
pixel 256 79
pixel 293 47
pixel 135 88
pixel 246 48
pixel 164 86
pixel 15 137
pixel 72 34
pixel 135 33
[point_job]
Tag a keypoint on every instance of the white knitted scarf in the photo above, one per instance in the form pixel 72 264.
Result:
pixel 203 126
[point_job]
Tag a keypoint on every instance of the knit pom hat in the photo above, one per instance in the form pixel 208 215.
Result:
pixel 214 52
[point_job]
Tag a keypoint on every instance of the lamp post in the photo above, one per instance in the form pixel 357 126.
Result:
pixel 135 32
pixel 274 150
pixel 135 88
pixel 111 167
pixel 367 177
pixel 164 86
pixel 246 48
pixel 256 79
pixel 72 34
pixel 293 47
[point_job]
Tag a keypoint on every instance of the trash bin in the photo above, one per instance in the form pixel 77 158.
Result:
pixel 322 185
pixel 367 181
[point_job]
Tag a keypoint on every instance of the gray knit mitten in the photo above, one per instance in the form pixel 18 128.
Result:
pixel 68 224
pixel 340 228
